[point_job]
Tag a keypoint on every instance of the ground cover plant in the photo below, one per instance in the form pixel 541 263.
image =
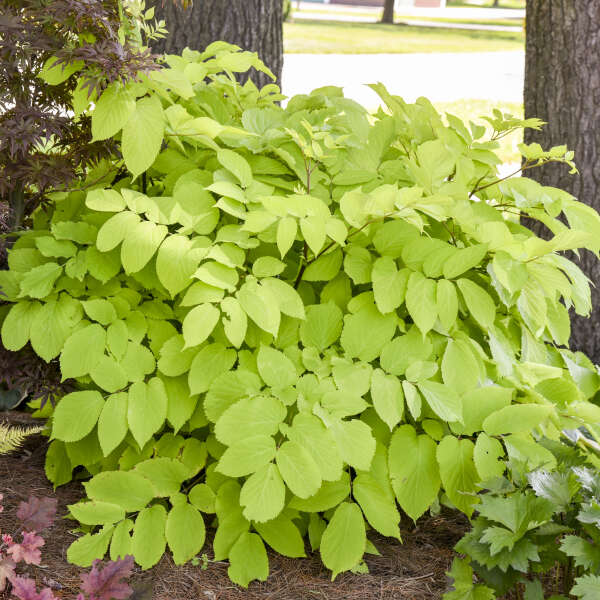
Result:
pixel 319 36
pixel 290 323
pixel 103 582
pixel 533 523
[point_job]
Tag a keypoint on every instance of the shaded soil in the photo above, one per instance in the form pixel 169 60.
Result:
pixel 413 570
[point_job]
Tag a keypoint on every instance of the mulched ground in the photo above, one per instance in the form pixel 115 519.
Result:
pixel 413 570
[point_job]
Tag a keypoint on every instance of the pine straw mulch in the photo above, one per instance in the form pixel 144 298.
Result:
pixel 414 570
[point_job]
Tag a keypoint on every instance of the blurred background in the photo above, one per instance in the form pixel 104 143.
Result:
pixel 466 56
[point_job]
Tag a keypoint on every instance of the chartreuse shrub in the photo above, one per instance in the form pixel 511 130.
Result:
pixel 290 323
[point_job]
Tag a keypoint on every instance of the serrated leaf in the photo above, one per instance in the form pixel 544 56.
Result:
pixel 457 472
pixel 389 284
pixel 140 244
pixel 97 513
pixel 282 535
pixel 275 368
pixel 148 540
pixel 199 324
pixel 176 263
pixel 479 302
pixel 387 396
pixel 344 540
pixel 250 416
pixel 421 301
pixel 322 327
pixel 146 409
pixel 286 234
pixel 298 469
pixel 248 560
pixel 143 135
pixel 414 471
pixel 112 110
pixel 379 508
pixel 486 455
pixel 185 532
pixel 237 165
pixel 263 494
pixel 112 424
pixel 129 490
pixel 76 415
pixel 247 456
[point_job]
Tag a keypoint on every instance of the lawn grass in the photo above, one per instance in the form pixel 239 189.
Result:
pixel 473 110
pixel 327 37
pixel 488 3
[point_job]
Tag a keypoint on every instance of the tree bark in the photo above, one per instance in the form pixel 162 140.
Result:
pixel 562 87
pixel 496 4
pixel 388 12
pixel 255 25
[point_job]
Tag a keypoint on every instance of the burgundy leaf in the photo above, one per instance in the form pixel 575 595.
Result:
pixel 37 513
pixel 28 550
pixel 106 583
pixel 24 589
pixel 7 570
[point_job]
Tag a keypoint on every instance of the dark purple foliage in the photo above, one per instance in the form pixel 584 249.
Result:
pixel 106 582
pixel 25 371
pixel 34 113
pixel 37 514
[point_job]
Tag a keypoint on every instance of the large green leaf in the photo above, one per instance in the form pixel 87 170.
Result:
pixel 381 329
pixel 82 351
pixel 421 301
pixel 185 532
pixel 143 135
pixel 414 470
pixel 263 494
pixel 129 490
pixel 248 560
pixel 457 472
pixel 247 456
pixel 176 263
pixel 140 244
pixel 379 508
pixel 112 424
pixel 146 409
pixel 282 535
pixel 199 324
pixel 388 399
pixel 275 368
pixel 17 324
pixel 249 417
pixel 322 327
pixel 112 110
pixel 344 541
pixel 148 540
pixel 298 469
pixel 76 415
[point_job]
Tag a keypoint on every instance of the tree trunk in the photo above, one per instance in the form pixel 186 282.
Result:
pixel 388 11
pixel 255 25
pixel 496 4
pixel 562 86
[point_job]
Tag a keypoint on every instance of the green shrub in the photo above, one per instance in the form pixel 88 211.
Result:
pixel 535 523
pixel 295 319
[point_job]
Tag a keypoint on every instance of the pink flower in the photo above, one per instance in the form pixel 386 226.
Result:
pixel 28 550
pixel 7 539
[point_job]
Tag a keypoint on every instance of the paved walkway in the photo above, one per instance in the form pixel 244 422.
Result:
pixel 439 77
